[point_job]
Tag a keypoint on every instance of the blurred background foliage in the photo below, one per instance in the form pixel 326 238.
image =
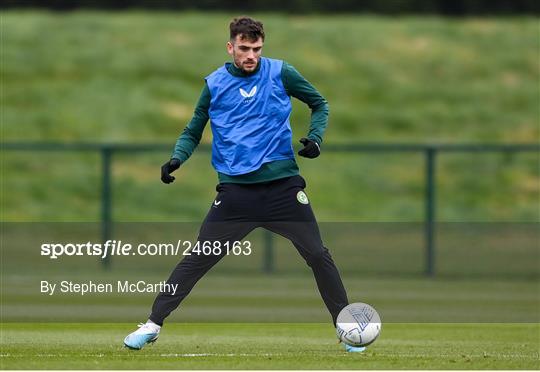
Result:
pixel 445 7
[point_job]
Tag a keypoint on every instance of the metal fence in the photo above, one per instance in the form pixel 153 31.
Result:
pixel 430 151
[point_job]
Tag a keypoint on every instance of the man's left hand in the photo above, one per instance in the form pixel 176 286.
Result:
pixel 311 148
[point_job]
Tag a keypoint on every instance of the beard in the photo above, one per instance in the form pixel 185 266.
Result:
pixel 245 66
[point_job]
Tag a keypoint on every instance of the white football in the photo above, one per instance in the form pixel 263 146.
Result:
pixel 358 324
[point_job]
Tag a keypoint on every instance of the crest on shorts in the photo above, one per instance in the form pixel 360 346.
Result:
pixel 302 197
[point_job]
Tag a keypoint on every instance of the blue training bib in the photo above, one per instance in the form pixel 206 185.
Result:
pixel 249 119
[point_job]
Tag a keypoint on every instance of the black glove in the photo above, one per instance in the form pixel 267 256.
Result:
pixel 168 168
pixel 311 148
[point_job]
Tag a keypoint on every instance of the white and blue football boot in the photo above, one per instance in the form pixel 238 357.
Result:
pixel 354 349
pixel 147 333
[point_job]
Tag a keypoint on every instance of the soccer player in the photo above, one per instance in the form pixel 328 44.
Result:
pixel 248 103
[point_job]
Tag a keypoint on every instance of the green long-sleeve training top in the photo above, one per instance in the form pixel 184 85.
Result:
pixel 296 86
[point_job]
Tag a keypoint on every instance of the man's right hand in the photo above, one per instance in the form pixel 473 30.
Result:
pixel 168 168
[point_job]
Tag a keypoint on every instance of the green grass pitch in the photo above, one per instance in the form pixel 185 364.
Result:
pixel 269 346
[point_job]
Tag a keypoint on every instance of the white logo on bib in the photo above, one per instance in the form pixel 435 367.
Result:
pixel 250 94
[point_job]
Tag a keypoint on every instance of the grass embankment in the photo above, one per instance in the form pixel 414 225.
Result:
pixel 134 77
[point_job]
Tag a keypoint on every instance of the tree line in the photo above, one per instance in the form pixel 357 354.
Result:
pixel 391 7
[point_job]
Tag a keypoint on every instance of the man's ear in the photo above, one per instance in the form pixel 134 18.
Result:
pixel 230 48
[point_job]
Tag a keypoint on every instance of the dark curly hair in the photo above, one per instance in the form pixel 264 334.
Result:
pixel 247 28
